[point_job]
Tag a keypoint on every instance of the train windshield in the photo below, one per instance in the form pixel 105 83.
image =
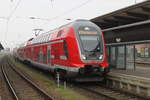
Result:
pixel 91 42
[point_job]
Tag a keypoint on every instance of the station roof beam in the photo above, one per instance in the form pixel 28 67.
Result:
pixel 138 15
pixel 146 9
pixel 133 14
pixel 127 18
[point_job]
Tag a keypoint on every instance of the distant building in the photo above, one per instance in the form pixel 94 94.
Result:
pixel 1 47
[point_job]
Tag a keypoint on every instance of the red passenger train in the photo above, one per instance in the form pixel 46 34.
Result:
pixel 76 50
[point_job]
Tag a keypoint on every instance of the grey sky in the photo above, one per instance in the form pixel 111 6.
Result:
pixel 20 26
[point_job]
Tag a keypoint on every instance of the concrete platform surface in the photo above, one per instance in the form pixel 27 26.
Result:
pixel 139 72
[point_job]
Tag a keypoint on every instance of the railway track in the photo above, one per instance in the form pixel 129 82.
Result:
pixel 108 93
pixel 102 92
pixel 21 87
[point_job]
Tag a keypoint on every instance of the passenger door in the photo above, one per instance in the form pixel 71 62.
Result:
pixel 49 54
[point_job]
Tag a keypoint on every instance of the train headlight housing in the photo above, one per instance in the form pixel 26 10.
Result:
pixel 83 57
pixel 101 57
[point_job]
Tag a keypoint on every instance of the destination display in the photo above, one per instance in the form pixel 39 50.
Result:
pixel 87 32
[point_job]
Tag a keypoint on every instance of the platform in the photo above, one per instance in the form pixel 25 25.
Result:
pixel 134 81
pixel 1 55
pixel 139 72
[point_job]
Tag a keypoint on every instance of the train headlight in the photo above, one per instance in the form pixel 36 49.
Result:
pixel 83 57
pixel 101 57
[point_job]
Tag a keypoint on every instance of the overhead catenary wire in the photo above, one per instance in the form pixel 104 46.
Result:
pixel 77 7
pixel 64 13
pixel 56 17
pixel 15 8
pixel 51 1
pixel 9 17
pixel 69 11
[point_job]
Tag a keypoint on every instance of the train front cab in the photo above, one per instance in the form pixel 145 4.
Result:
pixel 86 52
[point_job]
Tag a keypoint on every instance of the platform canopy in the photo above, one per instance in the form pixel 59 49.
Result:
pixel 135 13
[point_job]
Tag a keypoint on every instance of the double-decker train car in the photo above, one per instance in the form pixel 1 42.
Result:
pixel 75 51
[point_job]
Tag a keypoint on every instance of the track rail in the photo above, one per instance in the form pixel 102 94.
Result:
pixel 9 84
pixel 98 93
pixel 42 93
pixel 108 93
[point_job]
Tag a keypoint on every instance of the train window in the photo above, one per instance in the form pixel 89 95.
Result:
pixel 59 33
pixel 65 49
pixel 49 54
pixel 38 40
pixel 90 40
pixel 32 53
pixel 47 37
pixel 44 58
pixel 41 39
pixel 40 57
pixel 44 39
